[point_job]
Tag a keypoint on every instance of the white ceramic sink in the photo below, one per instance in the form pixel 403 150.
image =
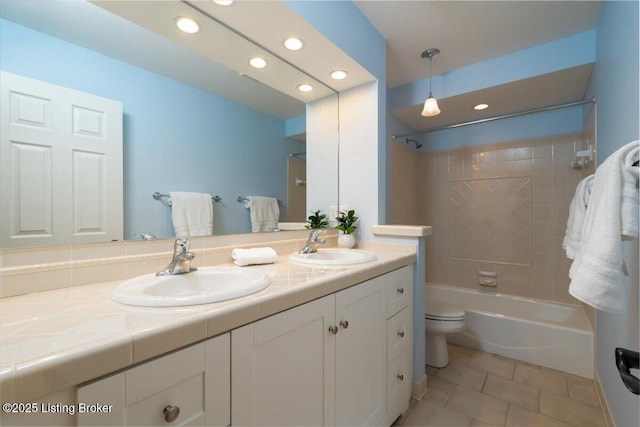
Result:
pixel 206 285
pixel 333 256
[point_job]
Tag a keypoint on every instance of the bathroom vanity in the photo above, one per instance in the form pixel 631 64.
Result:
pixel 320 346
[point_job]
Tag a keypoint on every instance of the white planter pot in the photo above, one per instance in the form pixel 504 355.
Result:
pixel 346 241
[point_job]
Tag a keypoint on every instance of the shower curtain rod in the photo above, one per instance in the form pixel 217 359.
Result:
pixel 505 116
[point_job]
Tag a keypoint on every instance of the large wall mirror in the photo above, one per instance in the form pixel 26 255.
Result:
pixel 196 116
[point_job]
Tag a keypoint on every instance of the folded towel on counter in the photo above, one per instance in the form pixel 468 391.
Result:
pixel 577 210
pixel 192 214
pixel 244 257
pixel 264 212
pixel 597 273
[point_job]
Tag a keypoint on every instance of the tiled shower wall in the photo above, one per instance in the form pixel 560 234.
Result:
pixel 498 207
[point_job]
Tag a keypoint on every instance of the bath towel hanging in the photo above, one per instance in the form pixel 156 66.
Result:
pixel 264 212
pixel 577 210
pixel 192 214
pixel 597 273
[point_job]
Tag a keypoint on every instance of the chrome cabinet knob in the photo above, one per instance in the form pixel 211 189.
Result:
pixel 400 377
pixel 401 334
pixel 401 291
pixel 170 413
pixel 344 324
pixel 333 329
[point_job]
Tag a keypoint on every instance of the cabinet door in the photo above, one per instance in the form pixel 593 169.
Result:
pixel 282 368
pixel 361 354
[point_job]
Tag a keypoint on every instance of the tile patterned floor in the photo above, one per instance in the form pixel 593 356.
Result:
pixel 480 389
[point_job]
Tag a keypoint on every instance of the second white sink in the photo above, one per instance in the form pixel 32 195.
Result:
pixel 206 285
pixel 334 256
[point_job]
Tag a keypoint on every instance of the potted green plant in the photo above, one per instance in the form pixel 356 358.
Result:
pixel 347 225
pixel 316 220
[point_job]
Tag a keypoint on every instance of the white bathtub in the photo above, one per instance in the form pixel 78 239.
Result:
pixel 548 334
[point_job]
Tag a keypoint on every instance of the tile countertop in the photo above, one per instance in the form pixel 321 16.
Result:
pixel 56 339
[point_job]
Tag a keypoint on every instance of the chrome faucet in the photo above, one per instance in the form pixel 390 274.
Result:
pixel 181 261
pixel 312 243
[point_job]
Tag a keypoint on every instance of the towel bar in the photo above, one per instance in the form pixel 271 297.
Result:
pixel 242 199
pixel 158 196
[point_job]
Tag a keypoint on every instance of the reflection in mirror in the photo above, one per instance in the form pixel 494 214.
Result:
pixel 189 124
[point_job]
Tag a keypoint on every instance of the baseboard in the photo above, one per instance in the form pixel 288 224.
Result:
pixel 419 388
pixel 608 419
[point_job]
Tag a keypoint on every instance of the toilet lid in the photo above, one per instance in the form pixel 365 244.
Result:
pixel 441 311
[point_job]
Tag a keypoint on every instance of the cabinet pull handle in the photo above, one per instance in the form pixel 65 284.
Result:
pixel 401 291
pixel 401 377
pixel 333 329
pixel 170 413
pixel 401 334
pixel 344 323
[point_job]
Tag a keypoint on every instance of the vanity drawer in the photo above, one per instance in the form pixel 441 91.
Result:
pixel 160 374
pixel 187 396
pixel 399 287
pixel 399 333
pixel 399 385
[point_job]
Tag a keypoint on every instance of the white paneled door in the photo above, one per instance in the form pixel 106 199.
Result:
pixel 60 165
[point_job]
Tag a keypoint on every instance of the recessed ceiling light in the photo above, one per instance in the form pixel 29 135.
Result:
pixel 293 43
pixel 187 25
pixel 338 74
pixel 223 2
pixel 481 107
pixel 305 87
pixel 257 62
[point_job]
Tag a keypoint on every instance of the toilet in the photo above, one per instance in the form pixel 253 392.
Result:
pixel 440 320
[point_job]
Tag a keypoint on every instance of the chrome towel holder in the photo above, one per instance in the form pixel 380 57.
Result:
pixel 159 196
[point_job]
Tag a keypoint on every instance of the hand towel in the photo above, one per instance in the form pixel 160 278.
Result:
pixel 244 257
pixel 577 210
pixel 597 273
pixel 264 212
pixel 192 214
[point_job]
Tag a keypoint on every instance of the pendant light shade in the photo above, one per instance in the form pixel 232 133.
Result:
pixel 430 107
pixel 431 104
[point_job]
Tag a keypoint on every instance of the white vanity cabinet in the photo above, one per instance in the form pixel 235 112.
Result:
pixel 187 388
pixel 324 362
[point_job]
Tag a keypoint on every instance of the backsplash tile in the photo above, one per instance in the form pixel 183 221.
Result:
pixel 24 271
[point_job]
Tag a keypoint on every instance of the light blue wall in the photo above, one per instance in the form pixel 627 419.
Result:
pixel 615 86
pixel 536 125
pixel 296 125
pixel 176 137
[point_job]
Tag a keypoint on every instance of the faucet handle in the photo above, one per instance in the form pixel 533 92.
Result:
pixel 181 246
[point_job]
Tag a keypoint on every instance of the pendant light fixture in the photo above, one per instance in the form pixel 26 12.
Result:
pixel 430 105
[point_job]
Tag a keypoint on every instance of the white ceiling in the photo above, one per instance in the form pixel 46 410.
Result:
pixel 468 32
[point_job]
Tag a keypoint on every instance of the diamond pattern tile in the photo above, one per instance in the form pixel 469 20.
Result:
pixel 491 220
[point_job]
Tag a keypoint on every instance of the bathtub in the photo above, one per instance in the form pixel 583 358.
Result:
pixel 553 335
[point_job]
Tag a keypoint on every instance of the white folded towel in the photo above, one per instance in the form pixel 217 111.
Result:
pixel 597 273
pixel 577 210
pixel 264 212
pixel 192 214
pixel 244 257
